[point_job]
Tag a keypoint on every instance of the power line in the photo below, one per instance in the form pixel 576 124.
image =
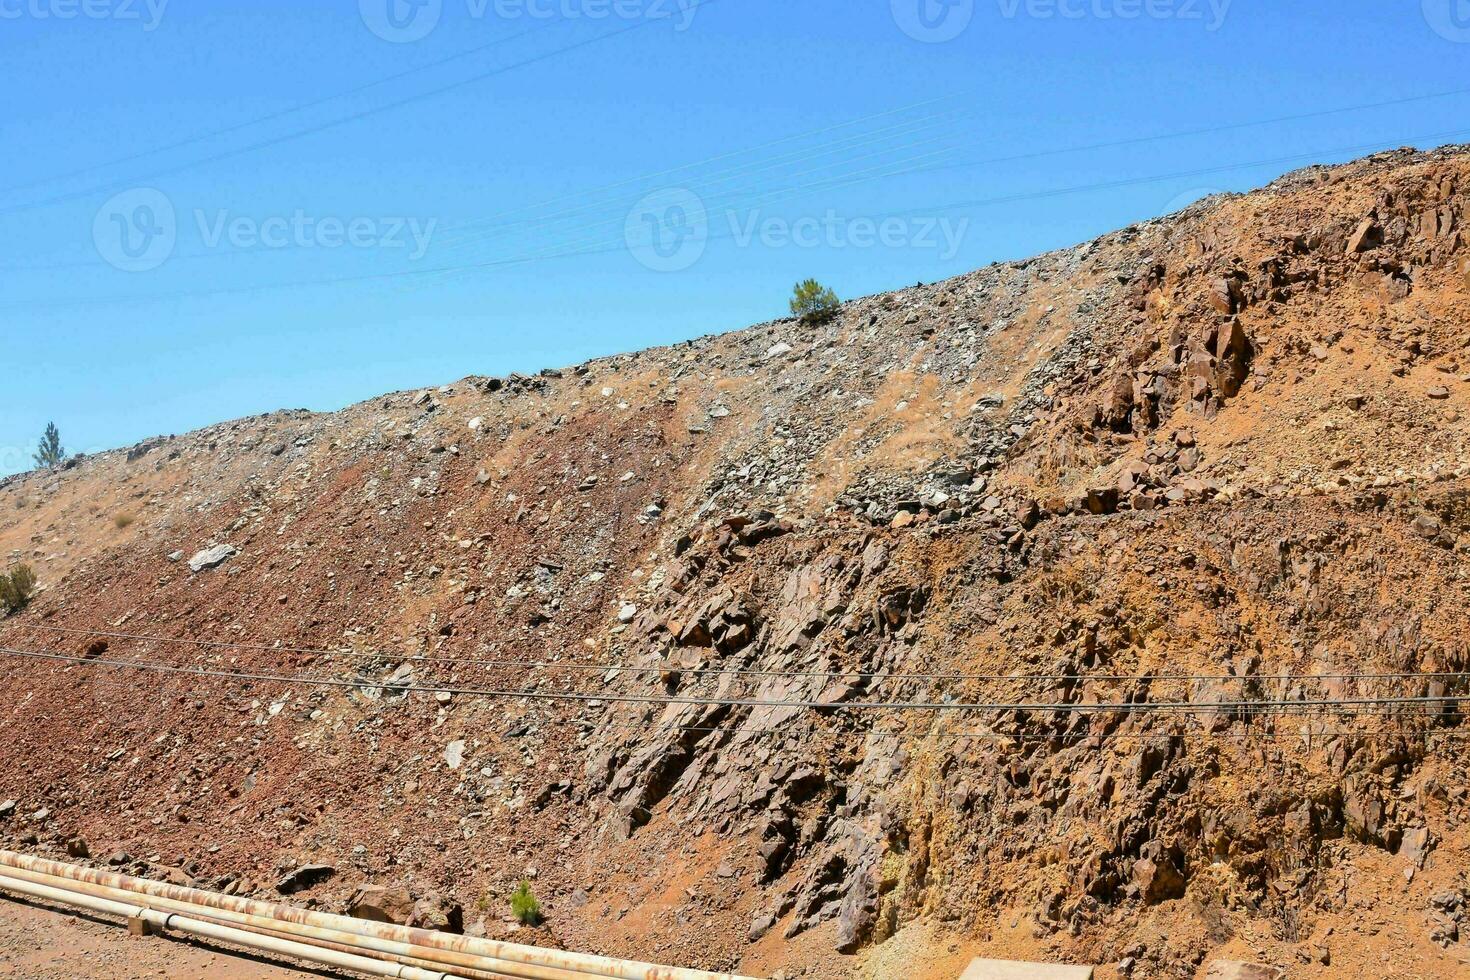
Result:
pixel 718 158
pixel 1041 195
pixel 1177 707
pixel 1032 155
pixel 617 215
pixel 753 168
pixel 332 124
pixel 756 167
pixel 588 726
pixel 1249 734
pixel 1113 144
pixel 271 116
pixel 1204 131
pixel 400 657
pixel 1017 198
pixel 617 245
pixel 469 232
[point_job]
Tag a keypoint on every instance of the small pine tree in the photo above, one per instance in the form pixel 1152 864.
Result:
pixel 524 907
pixel 813 302
pixel 49 453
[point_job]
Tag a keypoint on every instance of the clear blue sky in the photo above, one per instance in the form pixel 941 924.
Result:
pixel 556 130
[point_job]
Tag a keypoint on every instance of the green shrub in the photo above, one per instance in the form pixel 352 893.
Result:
pixel 123 521
pixel 524 907
pixel 813 302
pixel 17 588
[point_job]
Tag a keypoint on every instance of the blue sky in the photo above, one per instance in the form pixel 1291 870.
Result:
pixel 214 209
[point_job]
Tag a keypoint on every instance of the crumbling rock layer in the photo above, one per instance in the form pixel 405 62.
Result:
pixel 1186 463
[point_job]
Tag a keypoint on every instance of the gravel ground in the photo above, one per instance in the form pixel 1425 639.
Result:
pixel 39 942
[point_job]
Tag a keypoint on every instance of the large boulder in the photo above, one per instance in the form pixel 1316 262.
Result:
pixel 382 903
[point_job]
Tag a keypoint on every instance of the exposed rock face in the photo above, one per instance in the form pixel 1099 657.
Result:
pixel 1212 461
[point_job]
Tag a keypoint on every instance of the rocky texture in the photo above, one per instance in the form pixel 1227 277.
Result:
pixel 211 558
pixel 1226 444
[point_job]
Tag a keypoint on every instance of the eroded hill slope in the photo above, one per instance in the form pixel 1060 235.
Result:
pixel 1228 444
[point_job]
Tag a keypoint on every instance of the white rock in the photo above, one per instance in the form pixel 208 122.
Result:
pixel 212 557
pixel 628 613
pixel 454 754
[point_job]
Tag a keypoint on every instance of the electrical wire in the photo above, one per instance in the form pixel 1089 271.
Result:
pixel 618 245
pixel 277 114
pixel 399 657
pixel 656 728
pixel 1043 153
pixel 468 233
pixel 341 121
pixel 793 192
pixel 1180 707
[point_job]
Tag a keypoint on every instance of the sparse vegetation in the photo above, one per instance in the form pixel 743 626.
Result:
pixel 16 589
pixel 123 521
pixel 524 907
pixel 49 453
pixel 813 302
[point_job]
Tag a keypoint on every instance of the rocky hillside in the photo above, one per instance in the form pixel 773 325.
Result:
pixel 631 630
